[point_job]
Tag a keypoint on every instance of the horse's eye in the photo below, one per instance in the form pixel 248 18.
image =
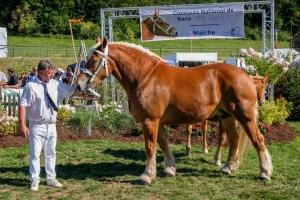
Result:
pixel 94 61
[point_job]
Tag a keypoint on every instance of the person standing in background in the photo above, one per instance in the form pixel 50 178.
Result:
pixel 23 79
pixel 2 77
pixel 13 80
pixel 33 74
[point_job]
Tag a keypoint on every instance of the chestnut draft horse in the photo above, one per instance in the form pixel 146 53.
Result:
pixel 159 93
pixel 156 25
pixel 260 83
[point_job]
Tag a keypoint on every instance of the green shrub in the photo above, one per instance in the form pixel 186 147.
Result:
pixel 288 87
pixel 275 111
pixel 64 113
pixel 114 118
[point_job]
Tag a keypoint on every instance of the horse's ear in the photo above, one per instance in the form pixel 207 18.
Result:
pixel 104 42
pixel 98 40
pixel 266 78
pixel 156 12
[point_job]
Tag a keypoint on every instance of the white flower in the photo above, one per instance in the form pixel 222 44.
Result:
pixel 243 52
pixel 250 67
pixel 113 103
pixel 285 69
pixel 118 110
pixel 259 55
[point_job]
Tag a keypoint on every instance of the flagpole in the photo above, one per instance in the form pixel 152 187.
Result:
pixel 72 40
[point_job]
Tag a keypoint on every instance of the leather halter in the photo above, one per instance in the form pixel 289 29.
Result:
pixel 103 63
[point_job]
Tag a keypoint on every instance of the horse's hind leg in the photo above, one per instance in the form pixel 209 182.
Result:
pixel 170 166
pixel 229 127
pixel 221 142
pixel 188 147
pixel 204 142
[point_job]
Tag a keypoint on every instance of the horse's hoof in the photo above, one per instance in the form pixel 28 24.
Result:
pixel 225 170
pixel 187 153
pixel 166 175
pixel 218 163
pixel 140 182
pixel 205 151
pixel 264 176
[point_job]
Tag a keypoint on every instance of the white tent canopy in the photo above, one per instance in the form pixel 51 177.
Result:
pixel 3 43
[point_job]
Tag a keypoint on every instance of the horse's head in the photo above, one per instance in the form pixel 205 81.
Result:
pixel 158 26
pixel 261 84
pixel 96 68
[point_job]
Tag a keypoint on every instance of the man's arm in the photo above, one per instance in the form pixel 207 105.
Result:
pixel 22 121
pixel 85 96
pixel 11 86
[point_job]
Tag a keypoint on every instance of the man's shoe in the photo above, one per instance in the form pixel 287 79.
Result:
pixel 34 186
pixel 53 182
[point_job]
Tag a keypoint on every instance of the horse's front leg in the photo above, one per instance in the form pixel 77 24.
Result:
pixel 150 129
pixel 170 168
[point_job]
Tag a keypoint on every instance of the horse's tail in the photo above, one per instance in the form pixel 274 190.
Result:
pixel 244 139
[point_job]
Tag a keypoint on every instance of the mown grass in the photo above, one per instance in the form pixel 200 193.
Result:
pixel 109 170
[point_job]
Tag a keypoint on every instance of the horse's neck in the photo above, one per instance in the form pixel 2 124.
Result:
pixel 146 33
pixel 130 71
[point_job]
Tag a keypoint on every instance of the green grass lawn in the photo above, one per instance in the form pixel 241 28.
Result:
pixel 109 170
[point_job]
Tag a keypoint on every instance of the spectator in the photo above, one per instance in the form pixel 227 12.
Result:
pixel 57 75
pixel 23 79
pixel 33 74
pixel 68 79
pixel 3 78
pixel 277 46
pixel 13 81
pixel 69 70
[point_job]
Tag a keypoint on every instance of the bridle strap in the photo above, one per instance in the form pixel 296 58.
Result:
pixel 103 63
pixel 144 80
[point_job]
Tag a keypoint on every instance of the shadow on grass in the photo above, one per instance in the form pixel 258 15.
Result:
pixel 137 155
pixel 107 171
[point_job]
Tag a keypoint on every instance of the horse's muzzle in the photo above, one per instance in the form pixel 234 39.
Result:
pixel 78 88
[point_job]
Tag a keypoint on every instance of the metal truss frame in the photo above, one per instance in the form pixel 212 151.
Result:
pixel 266 8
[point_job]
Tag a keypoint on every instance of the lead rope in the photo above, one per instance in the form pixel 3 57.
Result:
pixel 143 80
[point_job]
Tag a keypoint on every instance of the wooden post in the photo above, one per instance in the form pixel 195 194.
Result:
pixel 72 40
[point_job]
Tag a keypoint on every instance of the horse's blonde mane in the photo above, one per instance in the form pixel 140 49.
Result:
pixel 126 44
pixel 257 77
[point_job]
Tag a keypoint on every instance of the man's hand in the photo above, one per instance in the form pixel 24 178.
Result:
pixel 24 131
pixel 85 96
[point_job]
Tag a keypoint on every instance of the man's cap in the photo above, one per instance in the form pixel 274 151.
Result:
pixel 60 70
pixel 10 70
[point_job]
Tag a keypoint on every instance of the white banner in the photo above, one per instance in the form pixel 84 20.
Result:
pixel 192 22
